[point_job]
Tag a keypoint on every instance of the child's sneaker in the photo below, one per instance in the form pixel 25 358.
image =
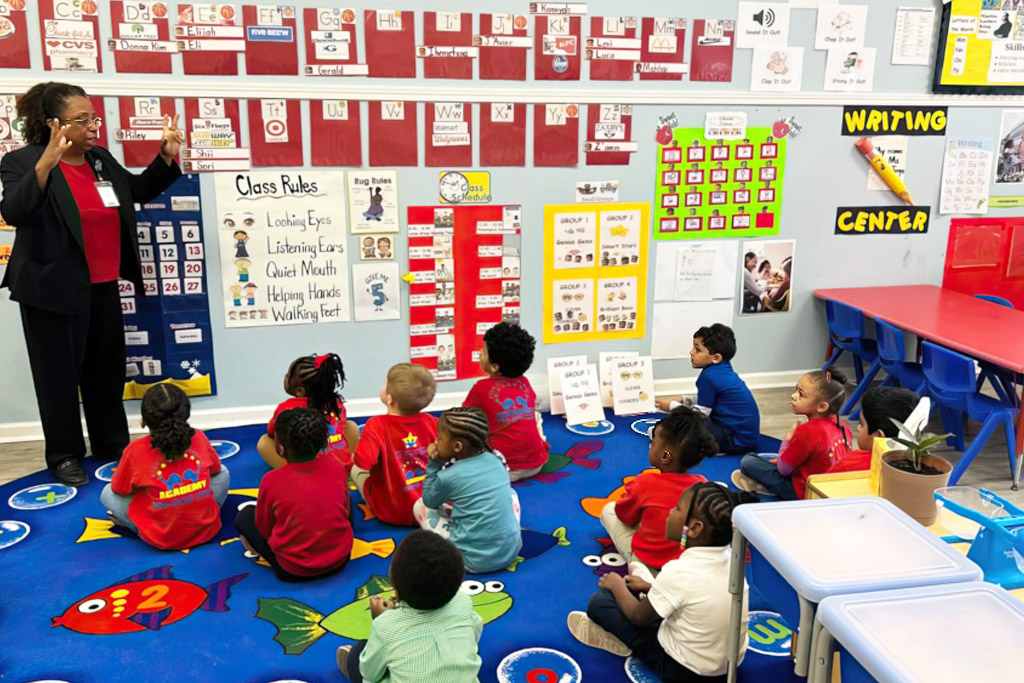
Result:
pixel 745 483
pixel 343 653
pixel 589 633
pixel 665 404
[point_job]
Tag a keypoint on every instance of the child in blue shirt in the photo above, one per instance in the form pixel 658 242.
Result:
pixel 483 517
pixel 721 394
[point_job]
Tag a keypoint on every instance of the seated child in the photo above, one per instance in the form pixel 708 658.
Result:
pixel 391 458
pixel 721 394
pixel 507 399
pixel 878 405
pixel 809 448
pixel 636 522
pixel 428 631
pixel 300 523
pixel 168 486
pixel 314 381
pixel 677 623
pixel 484 519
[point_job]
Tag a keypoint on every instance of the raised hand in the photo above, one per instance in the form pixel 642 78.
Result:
pixel 170 144
pixel 55 149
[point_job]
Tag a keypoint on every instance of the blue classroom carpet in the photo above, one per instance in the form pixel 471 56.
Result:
pixel 71 565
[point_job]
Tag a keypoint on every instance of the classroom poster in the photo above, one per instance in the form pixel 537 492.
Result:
pixel 372 201
pixel 331 42
pixel 850 70
pixel 633 385
pixel 605 360
pixel 1010 161
pixel 966 170
pixel 773 276
pixel 167 329
pixel 762 24
pixel 719 188
pixel 465 265
pixel 777 69
pixel 841 27
pixel 70 36
pixel 14 33
pixel 581 394
pixel 283 247
pixel 595 271
pixel 662 42
pixel 377 292
pixel 209 39
pixel 212 136
pixel 142 37
pixel 503 40
pixel 979 48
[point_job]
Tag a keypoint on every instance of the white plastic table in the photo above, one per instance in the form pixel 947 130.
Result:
pixel 936 634
pixel 838 546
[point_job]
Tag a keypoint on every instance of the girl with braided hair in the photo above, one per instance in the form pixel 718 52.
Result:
pixel 811 447
pixel 314 382
pixel 677 623
pixel 483 521
pixel 168 486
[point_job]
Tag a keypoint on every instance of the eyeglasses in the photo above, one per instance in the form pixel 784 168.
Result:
pixel 87 121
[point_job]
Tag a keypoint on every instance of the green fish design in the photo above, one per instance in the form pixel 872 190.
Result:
pixel 299 626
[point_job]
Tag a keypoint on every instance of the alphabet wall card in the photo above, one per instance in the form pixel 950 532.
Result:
pixel 662 41
pixel 335 133
pixel 503 40
pixel 555 368
pixel 70 36
pixel 556 130
pixel 864 120
pixel 372 201
pixel 613 48
pixel 712 51
pixel 762 24
pixel 556 48
pixel 271 46
pixel 390 43
pixel 502 134
pixel 605 360
pixel 595 271
pixel 633 385
pixel 14 33
pixel 609 133
pixel 275 132
pixel 209 39
pixel 213 136
pixel 142 37
pixel 965 176
pixel 447 134
pixel 392 133
pixel 581 392
pixel 447 50
pixel 283 247
pixel 331 43
pixel 376 290
pixel 142 128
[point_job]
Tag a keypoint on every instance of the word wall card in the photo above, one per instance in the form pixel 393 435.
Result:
pixel 142 37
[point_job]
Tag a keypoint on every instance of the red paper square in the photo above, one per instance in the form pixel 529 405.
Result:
pixel 502 134
pixel 270 153
pixel 270 57
pixel 500 62
pixel 564 66
pixel 447 155
pixel 391 53
pixel 556 144
pixel 335 142
pixel 447 67
pixel 392 142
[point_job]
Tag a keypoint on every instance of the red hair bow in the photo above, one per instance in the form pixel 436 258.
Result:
pixel 320 360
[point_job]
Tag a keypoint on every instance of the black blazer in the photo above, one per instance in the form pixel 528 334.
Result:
pixel 48 269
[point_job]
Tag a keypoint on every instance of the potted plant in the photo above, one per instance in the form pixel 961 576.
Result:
pixel 909 477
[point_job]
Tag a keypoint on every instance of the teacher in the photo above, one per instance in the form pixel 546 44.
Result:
pixel 73 206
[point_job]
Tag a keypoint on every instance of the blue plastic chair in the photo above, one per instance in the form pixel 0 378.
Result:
pixel 892 353
pixel 995 299
pixel 1002 380
pixel 951 383
pixel 846 332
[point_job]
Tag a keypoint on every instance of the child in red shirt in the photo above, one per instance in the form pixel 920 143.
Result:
pixel 507 399
pixel 168 486
pixel 636 522
pixel 314 382
pixel 810 448
pixel 300 523
pixel 390 462
pixel 876 408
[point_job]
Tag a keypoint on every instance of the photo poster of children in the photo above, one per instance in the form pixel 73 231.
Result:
pixel 372 201
pixel 376 247
pixel 283 246
pixel 709 188
pixel 1010 154
pixel 767 272
pixel 465 266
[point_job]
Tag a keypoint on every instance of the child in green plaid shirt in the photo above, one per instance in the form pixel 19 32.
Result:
pixel 428 630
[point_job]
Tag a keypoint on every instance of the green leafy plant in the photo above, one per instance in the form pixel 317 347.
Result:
pixel 918 442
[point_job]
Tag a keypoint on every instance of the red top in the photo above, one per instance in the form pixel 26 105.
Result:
pixel 510 407
pixel 954 320
pixel 337 446
pixel 393 449
pixel 172 502
pixel 101 227
pixel 648 500
pixel 854 461
pixel 302 511
pixel 814 447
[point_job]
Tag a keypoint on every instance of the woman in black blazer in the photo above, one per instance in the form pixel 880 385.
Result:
pixel 72 204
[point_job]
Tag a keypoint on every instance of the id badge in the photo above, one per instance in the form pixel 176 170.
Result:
pixel 107 194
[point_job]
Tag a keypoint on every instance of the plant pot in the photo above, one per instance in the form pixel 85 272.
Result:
pixel 913 492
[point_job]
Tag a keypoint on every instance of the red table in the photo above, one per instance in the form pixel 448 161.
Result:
pixel 974 327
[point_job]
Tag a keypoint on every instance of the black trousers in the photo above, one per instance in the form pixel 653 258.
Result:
pixel 82 352
pixel 245 522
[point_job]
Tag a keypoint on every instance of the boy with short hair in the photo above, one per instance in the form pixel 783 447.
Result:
pixel 721 394
pixel 876 408
pixel 428 631
pixel 390 461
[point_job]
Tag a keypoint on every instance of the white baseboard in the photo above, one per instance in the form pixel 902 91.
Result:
pixel 363 407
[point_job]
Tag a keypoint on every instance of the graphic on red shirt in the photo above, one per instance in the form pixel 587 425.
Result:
pixel 393 449
pixel 815 446
pixel 509 404
pixel 337 446
pixel 183 480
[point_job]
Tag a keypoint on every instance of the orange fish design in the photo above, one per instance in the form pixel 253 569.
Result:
pixel 593 506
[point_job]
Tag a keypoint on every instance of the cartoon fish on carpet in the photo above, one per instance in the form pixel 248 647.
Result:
pixel 609 561
pixel 593 506
pixel 537 543
pixel 144 602
pixel 299 626
pixel 579 454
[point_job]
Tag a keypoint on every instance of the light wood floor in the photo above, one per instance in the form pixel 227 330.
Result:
pixel 990 469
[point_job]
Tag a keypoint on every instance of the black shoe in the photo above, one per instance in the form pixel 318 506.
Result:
pixel 70 472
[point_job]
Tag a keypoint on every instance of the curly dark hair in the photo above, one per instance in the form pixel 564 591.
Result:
pixel 165 410
pixel 302 432
pixel 321 384
pixel 714 504
pixel 510 347
pixel 467 423
pixel 718 338
pixel 427 570
pixel 42 102
pixel 685 431
pixel 881 404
